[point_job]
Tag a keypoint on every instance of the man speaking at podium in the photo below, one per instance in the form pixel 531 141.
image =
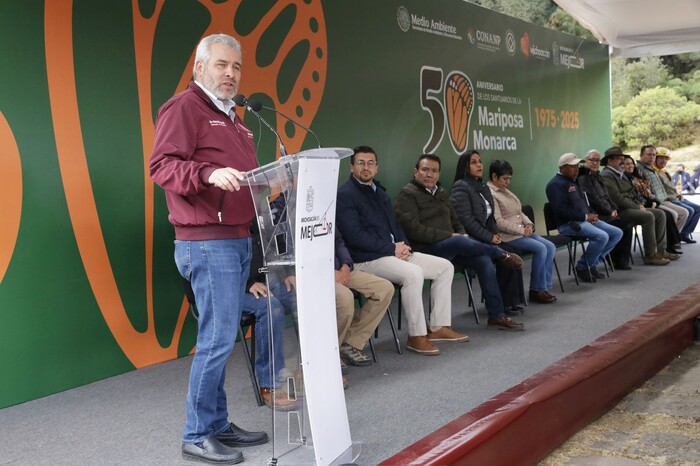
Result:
pixel 202 150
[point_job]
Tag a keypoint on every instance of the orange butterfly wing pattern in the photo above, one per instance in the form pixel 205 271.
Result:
pixel 10 193
pixel 143 348
pixel 459 103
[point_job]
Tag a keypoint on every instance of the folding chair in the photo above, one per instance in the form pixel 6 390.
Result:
pixel 246 321
pixel 360 301
pixel 468 276
pixel 558 240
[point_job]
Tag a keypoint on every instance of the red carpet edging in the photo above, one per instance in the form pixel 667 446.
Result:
pixel 522 425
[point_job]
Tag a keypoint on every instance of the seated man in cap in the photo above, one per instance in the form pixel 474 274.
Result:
pixel 663 155
pixel 622 192
pixel 598 199
pixel 574 217
pixel 647 158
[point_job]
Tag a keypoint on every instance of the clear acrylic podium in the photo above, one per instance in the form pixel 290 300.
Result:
pixel 294 201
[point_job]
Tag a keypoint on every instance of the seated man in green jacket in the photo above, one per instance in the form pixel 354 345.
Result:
pixel 425 213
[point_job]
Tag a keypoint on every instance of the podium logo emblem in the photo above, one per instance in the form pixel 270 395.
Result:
pixel 310 199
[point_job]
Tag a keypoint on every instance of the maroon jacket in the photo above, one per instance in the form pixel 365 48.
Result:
pixel 193 138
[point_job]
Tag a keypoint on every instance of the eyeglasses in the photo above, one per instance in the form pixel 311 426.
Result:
pixel 368 163
pixel 594 160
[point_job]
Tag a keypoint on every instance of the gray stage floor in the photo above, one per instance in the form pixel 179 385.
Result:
pixel 136 418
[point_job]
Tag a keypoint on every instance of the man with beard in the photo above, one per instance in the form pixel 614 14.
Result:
pixel 202 150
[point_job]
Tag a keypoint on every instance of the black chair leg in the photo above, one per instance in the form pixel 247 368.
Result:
pixel 399 312
pixel 251 369
pixel 374 353
pixel 571 263
pixel 472 302
pixel 556 267
pixel 393 331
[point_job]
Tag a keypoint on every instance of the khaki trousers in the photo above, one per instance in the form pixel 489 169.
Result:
pixel 680 215
pixel 410 275
pixel 356 328
pixel 653 223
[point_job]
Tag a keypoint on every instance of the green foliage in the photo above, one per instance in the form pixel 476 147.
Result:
pixel 682 64
pixel 618 127
pixel 656 116
pixel 532 11
pixel 630 77
pixel 688 87
pixel 562 21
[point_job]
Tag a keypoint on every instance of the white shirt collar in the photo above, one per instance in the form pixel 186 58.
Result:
pixel 223 105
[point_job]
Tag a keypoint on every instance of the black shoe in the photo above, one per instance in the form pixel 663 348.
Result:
pixel 597 274
pixel 623 267
pixel 686 239
pixel 514 310
pixel 211 451
pixel 585 275
pixel 234 436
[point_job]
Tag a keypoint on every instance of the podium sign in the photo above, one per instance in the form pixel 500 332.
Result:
pixel 295 201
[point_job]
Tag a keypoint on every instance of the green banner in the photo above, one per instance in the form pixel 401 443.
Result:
pixel 88 287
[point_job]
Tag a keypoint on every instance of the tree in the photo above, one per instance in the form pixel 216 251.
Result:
pixel 630 77
pixel 689 87
pixel 562 21
pixel 657 116
pixel 532 11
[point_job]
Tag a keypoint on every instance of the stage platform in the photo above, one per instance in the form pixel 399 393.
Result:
pixel 136 418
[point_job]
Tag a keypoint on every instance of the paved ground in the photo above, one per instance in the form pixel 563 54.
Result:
pixel 658 424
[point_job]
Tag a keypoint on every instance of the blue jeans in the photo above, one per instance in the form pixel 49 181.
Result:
pixel 602 238
pixel 269 338
pixel 218 270
pixel 478 257
pixel 542 252
pixel 693 217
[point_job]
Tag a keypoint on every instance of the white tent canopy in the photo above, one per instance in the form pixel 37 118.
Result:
pixel 638 28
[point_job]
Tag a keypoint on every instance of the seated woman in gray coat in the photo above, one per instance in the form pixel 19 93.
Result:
pixel 473 203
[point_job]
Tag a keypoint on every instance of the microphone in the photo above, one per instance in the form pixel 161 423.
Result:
pixel 254 107
pixel 308 130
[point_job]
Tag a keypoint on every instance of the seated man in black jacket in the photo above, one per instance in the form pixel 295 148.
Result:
pixel 595 192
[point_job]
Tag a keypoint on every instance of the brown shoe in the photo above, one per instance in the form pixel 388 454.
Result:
pixel 505 323
pixel 510 260
pixel 655 259
pixel 671 256
pixel 422 345
pixel 550 295
pixel 541 297
pixel 446 334
pixel 278 398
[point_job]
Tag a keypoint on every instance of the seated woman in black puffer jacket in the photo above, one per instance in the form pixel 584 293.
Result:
pixel 473 203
